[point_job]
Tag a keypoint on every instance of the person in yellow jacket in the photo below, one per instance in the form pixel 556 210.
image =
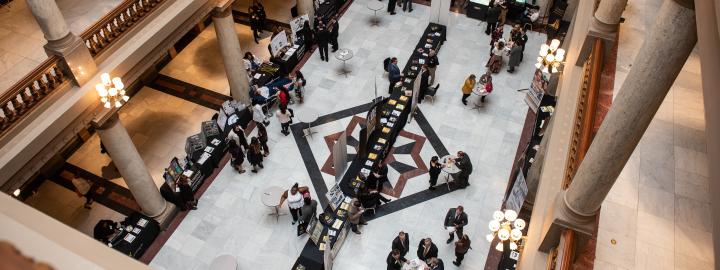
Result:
pixel 468 87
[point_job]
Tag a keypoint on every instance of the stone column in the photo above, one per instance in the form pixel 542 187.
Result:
pixel 232 54
pixel 656 66
pixel 77 61
pixel 603 26
pixel 131 166
pixel 307 7
pixel 708 29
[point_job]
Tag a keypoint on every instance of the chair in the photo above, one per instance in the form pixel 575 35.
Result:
pixel 370 209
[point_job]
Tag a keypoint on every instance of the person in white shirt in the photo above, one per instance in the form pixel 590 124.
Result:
pixel 284 116
pixel 258 115
pixel 252 62
pixel 295 200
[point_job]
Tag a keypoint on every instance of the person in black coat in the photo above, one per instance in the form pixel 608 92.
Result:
pixel 186 193
pixel 391 7
pixel 376 180
pixel 257 18
pixel 493 14
pixel 425 83
pixel 456 218
pixel 401 243
pixel 323 38
pixel 427 249
pixel 394 261
pixel 434 171
pixel 104 229
pixel 334 33
pixel 465 165
pixel 308 36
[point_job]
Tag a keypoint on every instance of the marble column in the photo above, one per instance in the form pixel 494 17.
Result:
pixel 307 7
pixel 131 166
pixel 665 51
pixel 708 29
pixel 610 11
pixel 232 55
pixel 604 25
pixel 77 61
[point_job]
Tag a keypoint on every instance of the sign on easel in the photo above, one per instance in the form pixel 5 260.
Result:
pixel 340 156
pixel 415 96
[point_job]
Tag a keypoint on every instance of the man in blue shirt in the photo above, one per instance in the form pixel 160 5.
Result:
pixel 393 74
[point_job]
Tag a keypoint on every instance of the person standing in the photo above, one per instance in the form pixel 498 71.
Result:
pixel 254 154
pixel 284 116
pixel 377 179
pixel 186 193
pixel 515 57
pixel 298 85
pixel 503 12
pixel 401 243
pixel 394 261
pixel 493 14
pixel 432 65
pixel 237 156
pixel 436 264
pixel 467 88
pixel 461 248
pixel 334 34
pixel 427 249
pixel 258 115
pixel 238 135
pixel 393 73
pixel 463 163
pixel 434 171
pixel 407 5
pixel 455 220
pixel 391 7
pixel 85 188
pixel 104 229
pixel 323 38
pixel 308 36
pixel 355 212
pixel 262 136
pixel 487 89
pixel 294 197
pixel 257 19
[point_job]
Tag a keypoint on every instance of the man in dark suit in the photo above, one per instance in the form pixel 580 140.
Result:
pixel 463 163
pixel 393 73
pixel 394 261
pixel 334 33
pixel 493 14
pixel 457 219
pixel 401 243
pixel 427 249
pixel 391 7
pixel 323 38
pixel 257 18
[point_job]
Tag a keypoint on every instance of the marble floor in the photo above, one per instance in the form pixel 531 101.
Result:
pixel 21 40
pixel 201 64
pixel 658 211
pixel 158 124
pixel 232 220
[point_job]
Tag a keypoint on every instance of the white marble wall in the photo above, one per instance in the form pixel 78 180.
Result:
pixel 659 209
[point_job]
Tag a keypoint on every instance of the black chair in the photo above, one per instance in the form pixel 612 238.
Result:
pixel 430 92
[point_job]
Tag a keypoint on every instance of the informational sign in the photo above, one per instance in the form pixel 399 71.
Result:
pixel 481 2
pixel 296 24
pixel 538 88
pixel 517 194
pixel 415 96
pixel 335 196
pixel 278 41
pixel 340 156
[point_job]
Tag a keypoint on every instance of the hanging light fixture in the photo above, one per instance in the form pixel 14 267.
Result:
pixel 506 226
pixel 111 91
pixel 551 57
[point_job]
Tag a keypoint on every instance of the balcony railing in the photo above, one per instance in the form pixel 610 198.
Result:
pixel 116 23
pixel 26 94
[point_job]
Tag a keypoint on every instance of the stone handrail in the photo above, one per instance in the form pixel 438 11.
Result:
pixel 101 35
pixel 30 91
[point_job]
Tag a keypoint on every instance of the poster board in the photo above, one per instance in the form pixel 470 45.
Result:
pixel 538 88
pixel 415 96
pixel 340 156
pixel 296 24
pixel 278 41
pixel 517 194
pixel 335 196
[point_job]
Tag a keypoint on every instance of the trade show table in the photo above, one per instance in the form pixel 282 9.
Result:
pixel 136 234
pixel 395 110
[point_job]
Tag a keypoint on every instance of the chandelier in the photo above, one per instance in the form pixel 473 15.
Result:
pixel 111 91
pixel 550 57
pixel 506 227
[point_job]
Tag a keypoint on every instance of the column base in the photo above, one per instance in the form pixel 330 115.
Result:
pixel 598 30
pixel 77 61
pixel 563 217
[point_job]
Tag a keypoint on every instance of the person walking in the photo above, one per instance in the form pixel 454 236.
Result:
pixel 355 212
pixel 465 165
pixel 427 249
pixel 462 246
pixel 394 74
pixel 493 14
pixel 467 88
pixel 391 7
pixel 434 171
pixel 455 220
pixel 401 243
pixel 284 116
pixel 254 154
pixel 262 136
pixel 323 38
pixel 334 34
pixel 432 65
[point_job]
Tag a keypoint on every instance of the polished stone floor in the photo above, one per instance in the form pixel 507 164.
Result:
pixel 232 220
pixel 21 40
pixel 201 64
pixel 659 209
pixel 158 124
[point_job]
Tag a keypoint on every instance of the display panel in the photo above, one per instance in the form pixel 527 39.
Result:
pixel 481 2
